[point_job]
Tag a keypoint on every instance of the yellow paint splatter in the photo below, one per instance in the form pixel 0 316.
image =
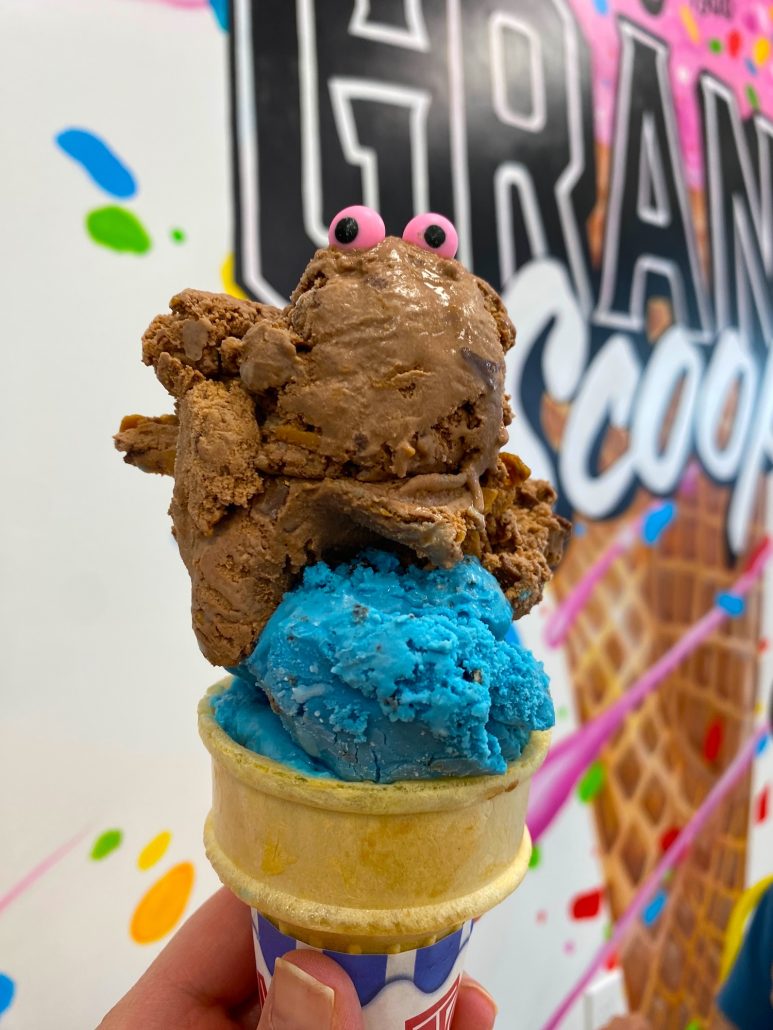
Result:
pixel 154 850
pixel 690 24
pixel 227 277
pixel 761 51
pixel 161 908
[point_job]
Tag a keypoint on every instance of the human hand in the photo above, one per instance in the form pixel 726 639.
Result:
pixel 205 979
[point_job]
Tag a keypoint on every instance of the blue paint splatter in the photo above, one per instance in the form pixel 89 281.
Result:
pixel 762 745
pixel 731 603
pixel 97 159
pixel 751 67
pixel 655 907
pixel 7 991
pixel 657 522
pixel 602 6
pixel 220 10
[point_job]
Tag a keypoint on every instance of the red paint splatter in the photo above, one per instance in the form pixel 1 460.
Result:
pixel 612 962
pixel 586 906
pixel 668 838
pixel 761 805
pixel 763 645
pixel 756 553
pixel 734 43
pixel 712 742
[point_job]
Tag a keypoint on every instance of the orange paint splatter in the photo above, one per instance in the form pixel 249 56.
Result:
pixel 161 908
pixel 154 850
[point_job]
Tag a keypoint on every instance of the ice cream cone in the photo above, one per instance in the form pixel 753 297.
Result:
pixel 668 755
pixel 363 867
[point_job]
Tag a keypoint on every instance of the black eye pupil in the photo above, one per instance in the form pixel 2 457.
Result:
pixel 434 236
pixel 346 230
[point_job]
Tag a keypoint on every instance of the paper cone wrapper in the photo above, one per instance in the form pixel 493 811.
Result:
pixel 410 990
pixel 365 868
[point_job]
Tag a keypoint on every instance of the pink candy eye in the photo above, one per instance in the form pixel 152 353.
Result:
pixel 433 232
pixel 356 228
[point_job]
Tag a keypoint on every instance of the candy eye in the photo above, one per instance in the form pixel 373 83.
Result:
pixel 356 228
pixel 433 232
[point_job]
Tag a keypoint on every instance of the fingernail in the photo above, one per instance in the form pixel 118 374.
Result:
pixel 473 985
pixel 299 1001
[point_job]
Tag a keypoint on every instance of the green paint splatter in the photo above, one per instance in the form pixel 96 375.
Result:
pixel 591 782
pixel 105 843
pixel 751 96
pixel 536 857
pixel 178 235
pixel 715 46
pixel 118 229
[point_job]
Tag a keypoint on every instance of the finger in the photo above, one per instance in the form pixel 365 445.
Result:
pixel 475 1008
pixel 310 991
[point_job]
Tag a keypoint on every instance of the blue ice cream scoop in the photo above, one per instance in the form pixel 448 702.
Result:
pixel 378 671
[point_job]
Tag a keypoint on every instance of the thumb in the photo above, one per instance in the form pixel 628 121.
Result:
pixel 310 991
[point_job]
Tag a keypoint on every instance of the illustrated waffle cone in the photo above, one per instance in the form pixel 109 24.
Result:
pixel 672 750
pixel 364 867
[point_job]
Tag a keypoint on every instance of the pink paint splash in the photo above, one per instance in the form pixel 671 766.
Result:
pixel 569 758
pixel 670 859
pixel 41 869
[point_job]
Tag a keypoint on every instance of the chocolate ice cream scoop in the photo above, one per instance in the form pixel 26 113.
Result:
pixel 370 410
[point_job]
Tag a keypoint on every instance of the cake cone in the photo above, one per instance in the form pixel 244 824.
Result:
pixel 671 751
pixel 364 867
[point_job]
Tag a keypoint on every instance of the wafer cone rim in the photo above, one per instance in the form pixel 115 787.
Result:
pixel 401 798
pixel 414 927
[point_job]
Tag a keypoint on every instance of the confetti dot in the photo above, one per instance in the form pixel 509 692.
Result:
pixel 751 96
pixel 602 6
pixel 7 991
pixel 608 930
pixel 751 67
pixel 591 782
pixel 586 906
pixel 712 742
pixel 694 1024
pixel 579 529
pixel 668 838
pixel 734 43
pixel 542 916
pixel 154 850
pixel 763 645
pixel 105 843
pixel 655 907
pixel 612 961
pixel 177 235
pixel 690 24
pixel 562 712
pixel 536 857
pixel 715 46
pixel 761 50
pixel 569 947
pixel 758 552
pixel 761 805
pixel 161 908
pixel 730 603
pixel 762 746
